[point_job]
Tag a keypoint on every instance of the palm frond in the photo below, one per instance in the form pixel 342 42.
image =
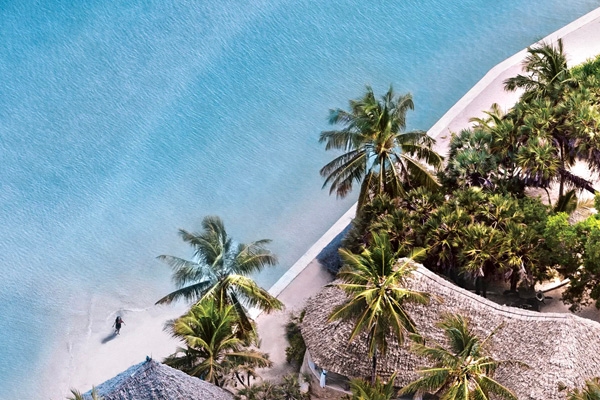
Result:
pixel 253 257
pixel 191 293
pixel 185 271
pixel 490 385
pixel 420 173
pixel 253 295
pixel 343 171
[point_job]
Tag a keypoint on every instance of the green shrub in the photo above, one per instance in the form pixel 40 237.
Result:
pixel 289 389
pixel 294 353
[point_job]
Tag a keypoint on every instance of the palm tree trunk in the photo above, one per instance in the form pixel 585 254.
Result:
pixel 374 359
pixel 481 286
pixel 514 279
pixel 363 196
pixel 561 187
pixel 562 166
pixel 549 198
pixel 374 371
pixel 241 380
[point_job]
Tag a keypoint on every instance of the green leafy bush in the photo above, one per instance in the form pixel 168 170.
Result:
pixel 294 353
pixel 289 389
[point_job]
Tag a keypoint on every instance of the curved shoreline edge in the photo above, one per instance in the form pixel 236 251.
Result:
pixel 455 117
pixel 514 61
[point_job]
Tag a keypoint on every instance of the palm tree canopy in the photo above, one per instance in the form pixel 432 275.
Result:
pixel 375 283
pixel 378 154
pixel 213 350
pixel 363 390
pixel 590 392
pixel 220 269
pixel 462 372
pixel 547 72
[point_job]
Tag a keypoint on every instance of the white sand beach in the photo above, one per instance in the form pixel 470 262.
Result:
pixel 142 335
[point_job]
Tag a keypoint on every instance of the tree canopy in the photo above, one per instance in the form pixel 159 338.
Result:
pixel 463 371
pixel 376 285
pixel 220 271
pixel 378 153
pixel 212 351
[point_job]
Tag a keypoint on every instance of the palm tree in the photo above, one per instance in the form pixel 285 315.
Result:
pixel 362 390
pixel 591 391
pixel 462 372
pixel 377 151
pixel 376 285
pixel 547 73
pixel 563 118
pixel 470 162
pixel 220 271
pixel 213 351
pixel 442 232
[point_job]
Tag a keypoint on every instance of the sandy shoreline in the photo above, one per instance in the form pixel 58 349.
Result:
pixel 143 333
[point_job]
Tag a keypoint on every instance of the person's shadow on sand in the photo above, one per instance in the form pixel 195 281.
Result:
pixel 109 338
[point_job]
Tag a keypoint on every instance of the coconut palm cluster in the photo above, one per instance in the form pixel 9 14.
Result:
pixel 467 217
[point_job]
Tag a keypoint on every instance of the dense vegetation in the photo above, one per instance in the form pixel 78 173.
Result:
pixel 217 331
pixel 294 353
pixel 288 389
pixel 474 222
pixel 479 225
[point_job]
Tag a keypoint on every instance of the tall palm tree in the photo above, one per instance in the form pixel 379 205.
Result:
pixel 547 73
pixel 462 372
pixel 549 100
pixel 362 390
pixel 220 270
pixel 590 392
pixel 213 351
pixel 378 153
pixel 376 285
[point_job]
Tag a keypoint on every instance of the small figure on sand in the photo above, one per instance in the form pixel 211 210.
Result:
pixel 117 325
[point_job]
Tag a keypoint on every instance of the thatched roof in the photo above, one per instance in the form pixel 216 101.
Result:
pixel 151 380
pixel 558 348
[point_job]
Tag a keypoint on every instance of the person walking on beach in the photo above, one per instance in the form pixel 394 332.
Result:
pixel 117 325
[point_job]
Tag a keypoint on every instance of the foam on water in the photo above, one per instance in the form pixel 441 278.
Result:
pixel 121 122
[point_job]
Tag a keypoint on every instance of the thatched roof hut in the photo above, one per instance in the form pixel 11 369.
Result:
pixel 151 380
pixel 560 349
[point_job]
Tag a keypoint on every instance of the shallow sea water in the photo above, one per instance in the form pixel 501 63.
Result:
pixel 121 122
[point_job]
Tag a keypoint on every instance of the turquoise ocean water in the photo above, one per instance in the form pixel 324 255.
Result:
pixel 123 121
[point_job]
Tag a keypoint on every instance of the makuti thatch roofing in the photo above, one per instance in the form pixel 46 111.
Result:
pixel 151 380
pixel 558 348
